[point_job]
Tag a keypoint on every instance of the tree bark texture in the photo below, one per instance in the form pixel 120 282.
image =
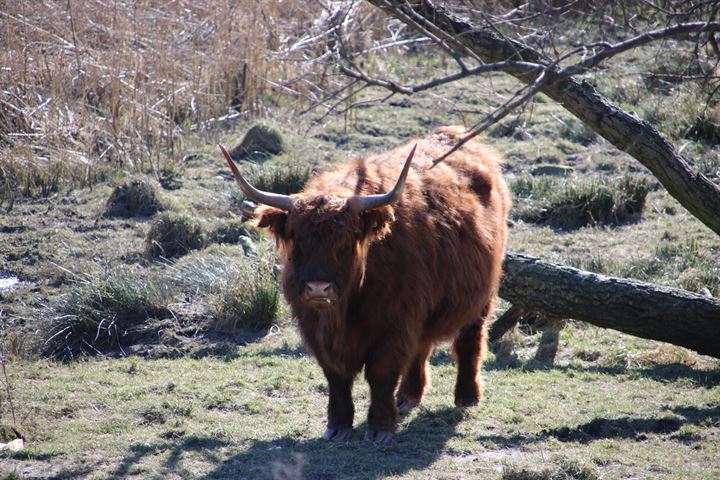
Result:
pixel 642 309
pixel 694 191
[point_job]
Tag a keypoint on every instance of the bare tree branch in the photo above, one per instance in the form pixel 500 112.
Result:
pixel 610 50
pixel 624 130
pixel 410 89
pixel 497 115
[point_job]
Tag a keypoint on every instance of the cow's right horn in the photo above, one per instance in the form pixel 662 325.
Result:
pixel 283 202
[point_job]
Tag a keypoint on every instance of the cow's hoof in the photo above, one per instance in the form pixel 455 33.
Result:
pixel 467 402
pixel 404 405
pixel 378 436
pixel 338 434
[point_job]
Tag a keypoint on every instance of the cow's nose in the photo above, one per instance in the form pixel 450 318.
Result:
pixel 320 292
pixel 318 289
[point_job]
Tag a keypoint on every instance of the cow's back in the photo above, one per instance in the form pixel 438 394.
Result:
pixel 439 266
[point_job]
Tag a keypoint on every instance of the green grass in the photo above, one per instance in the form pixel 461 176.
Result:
pixel 234 231
pixel 250 299
pixel 135 196
pixel 677 262
pixel 209 394
pixel 564 470
pixel 109 311
pixel 261 413
pixel 241 291
pixel 260 143
pixel 283 178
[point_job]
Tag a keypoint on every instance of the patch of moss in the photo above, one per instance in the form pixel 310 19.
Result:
pixel 135 197
pixel 260 143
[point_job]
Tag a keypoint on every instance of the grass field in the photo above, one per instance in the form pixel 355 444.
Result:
pixel 258 414
pixel 122 363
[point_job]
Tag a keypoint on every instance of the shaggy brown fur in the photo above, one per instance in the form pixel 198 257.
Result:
pixel 407 275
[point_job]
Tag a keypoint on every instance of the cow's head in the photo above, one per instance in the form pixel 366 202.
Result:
pixel 323 238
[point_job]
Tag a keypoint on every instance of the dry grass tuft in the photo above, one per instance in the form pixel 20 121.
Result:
pixel 571 205
pixel 173 235
pixel 103 312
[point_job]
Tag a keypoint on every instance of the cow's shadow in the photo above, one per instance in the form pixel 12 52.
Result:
pixel 416 446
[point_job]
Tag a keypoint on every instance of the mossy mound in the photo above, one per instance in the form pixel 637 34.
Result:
pixel 260 143
pixel 135 197
pixel 173 235
pixel 569 205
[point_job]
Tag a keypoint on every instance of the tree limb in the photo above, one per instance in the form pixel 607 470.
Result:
pixel 694 191
pixel 610 50
pixel 410 89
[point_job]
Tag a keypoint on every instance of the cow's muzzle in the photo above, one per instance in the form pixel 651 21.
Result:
pixel 320 295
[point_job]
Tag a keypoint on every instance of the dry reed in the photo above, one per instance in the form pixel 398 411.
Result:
pixel 87 86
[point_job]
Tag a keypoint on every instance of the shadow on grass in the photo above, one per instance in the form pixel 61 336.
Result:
pixel 660 373
pixel 287 350
pixel 416 447
pixel 624 428
pixel 198 344
pixel 206 447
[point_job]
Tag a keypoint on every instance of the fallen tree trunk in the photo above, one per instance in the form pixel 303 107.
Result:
pixel 642 309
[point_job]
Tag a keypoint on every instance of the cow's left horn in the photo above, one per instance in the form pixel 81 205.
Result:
pixel 283 202
pixel 367 202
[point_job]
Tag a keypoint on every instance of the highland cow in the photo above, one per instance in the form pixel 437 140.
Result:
pixel 376 279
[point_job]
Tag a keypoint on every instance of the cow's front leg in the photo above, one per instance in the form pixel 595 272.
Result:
pixel 414 380
pixel 382 375
pixel 340 408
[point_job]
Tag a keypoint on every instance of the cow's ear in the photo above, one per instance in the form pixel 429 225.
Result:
pixel 274 220
pixel 376 222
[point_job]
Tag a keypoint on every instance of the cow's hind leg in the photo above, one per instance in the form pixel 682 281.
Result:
pixel 414 380
pixel 340 408
pixel 469 351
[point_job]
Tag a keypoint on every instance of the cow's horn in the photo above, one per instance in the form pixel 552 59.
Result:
pixel 367 202
pixel 283 202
